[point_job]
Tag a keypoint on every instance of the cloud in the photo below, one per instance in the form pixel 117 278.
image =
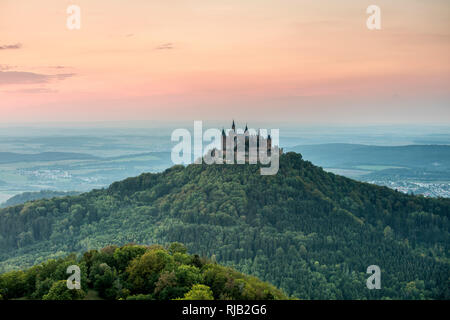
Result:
pixel 62 76
pixel 33 90
pixel 58 67
pixel 165 46
pixel 11 46
pixel 21 77
pixel 4 67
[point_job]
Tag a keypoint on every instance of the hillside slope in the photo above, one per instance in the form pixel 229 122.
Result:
pixel 136 273
pixel 32 196
pixel 307 231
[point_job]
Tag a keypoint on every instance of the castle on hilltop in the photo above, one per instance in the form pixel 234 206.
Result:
pixel 247 143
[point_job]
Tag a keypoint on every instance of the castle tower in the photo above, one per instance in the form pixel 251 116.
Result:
pixel 224 141
pixel 257 139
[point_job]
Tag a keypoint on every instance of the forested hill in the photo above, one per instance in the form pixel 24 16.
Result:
pixel 31 196
pixel 309 232
pixel 135 272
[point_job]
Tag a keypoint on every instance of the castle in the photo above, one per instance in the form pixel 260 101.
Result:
pixel 247 144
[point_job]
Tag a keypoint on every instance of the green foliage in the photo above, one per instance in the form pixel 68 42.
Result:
pixel 199 292
pixel 153 273
pixel 388 233
pixel 177 247
pixel 37 281
pixel 140 297
pixel 124 255
pixel 31 196
pixel 13 284
pixel 143 272
pixel 59 291
pixel 309 232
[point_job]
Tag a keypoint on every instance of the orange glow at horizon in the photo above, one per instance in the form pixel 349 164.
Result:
pixel 300 60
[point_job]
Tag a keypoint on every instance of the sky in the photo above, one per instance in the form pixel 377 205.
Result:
pixel 299 61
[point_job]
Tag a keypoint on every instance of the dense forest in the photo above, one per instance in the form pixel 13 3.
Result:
pixel 309 232
pixel 134 272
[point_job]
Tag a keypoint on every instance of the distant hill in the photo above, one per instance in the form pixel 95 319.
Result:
pixel 431 157
pixel 32 196
pixel 10 157
pixel 136 273
pixel 309 232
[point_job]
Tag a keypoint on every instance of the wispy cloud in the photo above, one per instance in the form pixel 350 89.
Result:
pixel 62 76
pixel 11 46
pixel 21 77
pixel 32 91
pixel 58 67
pixel 165 46
pixel 4 67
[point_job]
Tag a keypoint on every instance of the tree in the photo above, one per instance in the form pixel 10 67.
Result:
pixel 177 247
pixel 388 233
pixel 199 292
pixel 59 291
pixel 125 254
pixel 144 271
pixel 104 281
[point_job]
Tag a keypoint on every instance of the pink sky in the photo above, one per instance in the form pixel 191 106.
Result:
pixel 283 60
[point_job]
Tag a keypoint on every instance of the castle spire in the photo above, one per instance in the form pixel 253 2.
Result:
pixel 233 126
pixel 246 128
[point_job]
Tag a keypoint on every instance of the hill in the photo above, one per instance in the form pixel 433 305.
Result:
pixel 309 232
pixel 136 272
pixel 11 157
pixel 31 196
pixel 431 157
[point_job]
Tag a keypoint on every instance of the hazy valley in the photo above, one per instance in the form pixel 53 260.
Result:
pixel 411 160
